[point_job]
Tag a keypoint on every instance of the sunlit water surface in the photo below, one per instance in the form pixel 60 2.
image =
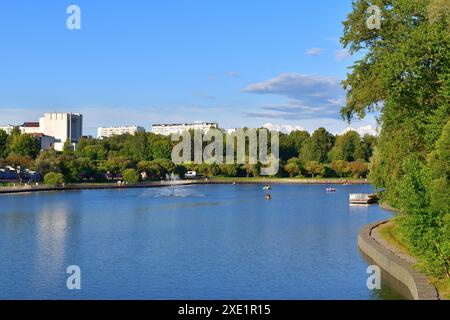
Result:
pixel 187 242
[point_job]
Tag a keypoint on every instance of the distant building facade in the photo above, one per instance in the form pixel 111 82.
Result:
pixel 106 132
pixel 53 130
pixel 30 128
pixel 63 127
pixel 168 129
pixel 8 129
pixel 46 142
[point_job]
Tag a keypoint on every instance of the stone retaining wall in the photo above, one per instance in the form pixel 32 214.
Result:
pixel 399 268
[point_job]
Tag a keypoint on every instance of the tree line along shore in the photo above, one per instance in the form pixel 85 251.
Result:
pixel 147 157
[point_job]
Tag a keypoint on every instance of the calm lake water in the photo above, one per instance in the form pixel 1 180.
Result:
pixel 189 242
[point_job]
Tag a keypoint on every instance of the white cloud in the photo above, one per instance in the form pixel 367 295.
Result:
pixel 299 86
pixel 368 129
pixel 314 52
pixel 233 74
pixel 343 54
pixel 310 96
pixel 286 128
pixel 204 95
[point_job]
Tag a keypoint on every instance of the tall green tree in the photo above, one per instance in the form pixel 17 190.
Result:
pixel 24 145
pixel 348 147
pixel 3 143
pixel 316 147
pixel 405 74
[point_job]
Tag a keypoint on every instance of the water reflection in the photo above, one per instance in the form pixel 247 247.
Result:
pixel 391 288
pixel 52 228
pixel 212 242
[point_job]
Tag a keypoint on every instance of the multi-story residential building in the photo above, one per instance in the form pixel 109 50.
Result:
pixel 63 127
pixel 106 132
pixel 168 129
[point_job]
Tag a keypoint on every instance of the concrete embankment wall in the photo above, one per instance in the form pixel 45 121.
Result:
pixel 91 186
pixel 415 281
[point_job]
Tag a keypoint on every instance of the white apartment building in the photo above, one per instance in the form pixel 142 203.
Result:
pixel 106 132
pixel 63 127
pixel 8 129
pixel 168 129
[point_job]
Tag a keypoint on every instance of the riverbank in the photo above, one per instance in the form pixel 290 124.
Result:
pixel 398 263
pixel 11 189
pixel 261 180
pixel 386 206
pixel 389 234
pixel 93 186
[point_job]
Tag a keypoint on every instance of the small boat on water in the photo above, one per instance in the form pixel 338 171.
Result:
pixel 268 197
pixel 331 189
pixel 267 188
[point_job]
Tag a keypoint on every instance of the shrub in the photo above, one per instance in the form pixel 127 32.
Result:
pixel 130 176
pixel 54 178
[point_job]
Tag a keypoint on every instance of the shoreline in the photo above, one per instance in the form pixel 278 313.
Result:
pixel 294 181
pixel 399 266
pixel 156 184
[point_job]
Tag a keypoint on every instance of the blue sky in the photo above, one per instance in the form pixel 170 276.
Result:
pixel 241 63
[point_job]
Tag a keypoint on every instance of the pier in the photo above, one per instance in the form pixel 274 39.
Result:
pixel 363 198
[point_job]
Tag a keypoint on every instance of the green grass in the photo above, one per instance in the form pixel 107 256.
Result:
pixel 390 232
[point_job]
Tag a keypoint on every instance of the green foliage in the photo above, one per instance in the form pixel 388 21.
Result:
pixel 358 169
pixel 137 147
pixel 293 167
pixel 340 167
pixel 93 152
pixel 130 176
pixel 291 144
pixel 405 74
pixel 348 147
pixel 19 161
pixel 47 162
pixel 68 149
pixel 314 168
pixel 54 178
pixel 252 170
pixel 24 145
pixel 3 143
pixel 316 147
pixel 161 149
pixel 229 170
